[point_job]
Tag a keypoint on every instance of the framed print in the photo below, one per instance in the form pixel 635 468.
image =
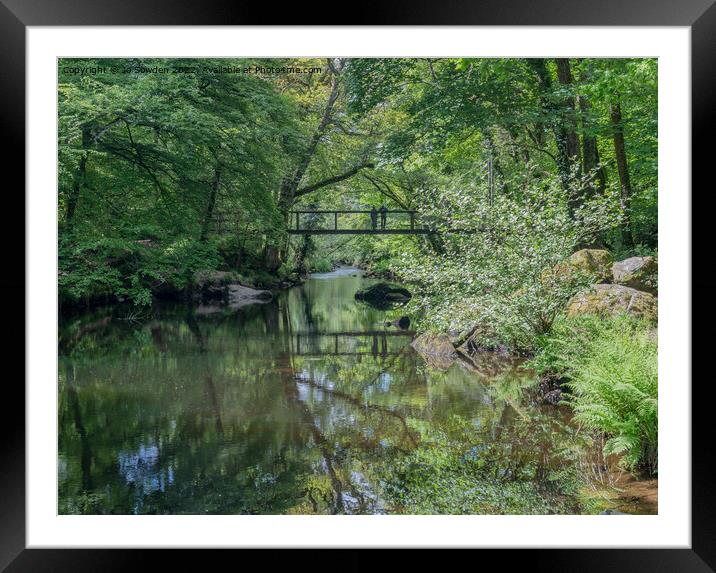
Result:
pixel 421 279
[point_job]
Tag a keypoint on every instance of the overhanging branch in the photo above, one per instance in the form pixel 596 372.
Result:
pixel 332 180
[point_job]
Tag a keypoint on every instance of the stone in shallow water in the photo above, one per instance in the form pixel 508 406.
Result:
pixel 403 322
pixel 383 295
pixel 434 345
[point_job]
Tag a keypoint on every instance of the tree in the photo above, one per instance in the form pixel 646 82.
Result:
pixel 290 191
pixel 591 164
pixel 569 113
pixel 615 113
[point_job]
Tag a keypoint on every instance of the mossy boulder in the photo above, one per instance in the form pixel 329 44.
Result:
pixel 593 263
pixel 383 295
pixel 640 273
pixel 610 299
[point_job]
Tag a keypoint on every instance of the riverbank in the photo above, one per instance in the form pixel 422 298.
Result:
pixel 102 271
pixel 592 341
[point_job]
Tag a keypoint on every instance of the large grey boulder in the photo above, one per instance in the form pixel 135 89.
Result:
pixel 608 300
pixel 640 273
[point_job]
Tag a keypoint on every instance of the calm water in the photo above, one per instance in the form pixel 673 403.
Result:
pixel 305 404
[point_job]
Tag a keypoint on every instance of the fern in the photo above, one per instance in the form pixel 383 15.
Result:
pixel 611 368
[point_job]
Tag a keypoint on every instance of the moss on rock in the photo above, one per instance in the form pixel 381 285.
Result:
pixel 640 273
pixel 595 263
pixel 610 299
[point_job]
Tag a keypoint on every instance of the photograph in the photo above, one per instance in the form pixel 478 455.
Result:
pixel 357 285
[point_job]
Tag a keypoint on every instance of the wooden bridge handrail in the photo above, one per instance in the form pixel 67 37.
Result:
pixel 402 228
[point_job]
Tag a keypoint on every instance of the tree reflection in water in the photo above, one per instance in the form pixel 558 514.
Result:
pixel 301 405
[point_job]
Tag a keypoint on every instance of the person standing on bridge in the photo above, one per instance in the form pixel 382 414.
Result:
pixel 383 215
pixel 373 218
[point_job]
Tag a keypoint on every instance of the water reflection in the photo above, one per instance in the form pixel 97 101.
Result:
pixel 307 404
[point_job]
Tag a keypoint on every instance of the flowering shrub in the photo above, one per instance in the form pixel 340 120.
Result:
pixel 498 262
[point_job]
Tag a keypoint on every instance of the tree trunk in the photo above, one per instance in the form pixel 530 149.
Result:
pixel 306 248
pixel 590 151
pixel 290 184
pixel 539 65
pixel 569 114
pixel 74 195
pixel 615 112
pixel 274 254
pixel 211 204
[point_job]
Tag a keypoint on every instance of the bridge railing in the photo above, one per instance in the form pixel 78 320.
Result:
pixel 351 219
pixel 375 343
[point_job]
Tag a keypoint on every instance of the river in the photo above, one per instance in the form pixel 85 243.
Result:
pixel 304 404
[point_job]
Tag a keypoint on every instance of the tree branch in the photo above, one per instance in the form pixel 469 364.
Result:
pixel 331 180
pixel 384 189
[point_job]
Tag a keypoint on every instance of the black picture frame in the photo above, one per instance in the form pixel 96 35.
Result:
pixel 16 15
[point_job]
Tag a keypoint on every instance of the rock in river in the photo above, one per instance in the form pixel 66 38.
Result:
pixel 403 322
pixel 240 295
pixel 608 300
pixel 383 295
pixel 434 344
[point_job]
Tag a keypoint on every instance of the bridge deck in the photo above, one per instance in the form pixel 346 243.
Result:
pixel 361 222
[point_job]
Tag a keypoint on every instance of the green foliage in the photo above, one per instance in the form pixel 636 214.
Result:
pixel 165 156
pixel 150 156
pixel 501 272
pixel 321 265
pixel 612 371
pixel 125 269
pixel 621 251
